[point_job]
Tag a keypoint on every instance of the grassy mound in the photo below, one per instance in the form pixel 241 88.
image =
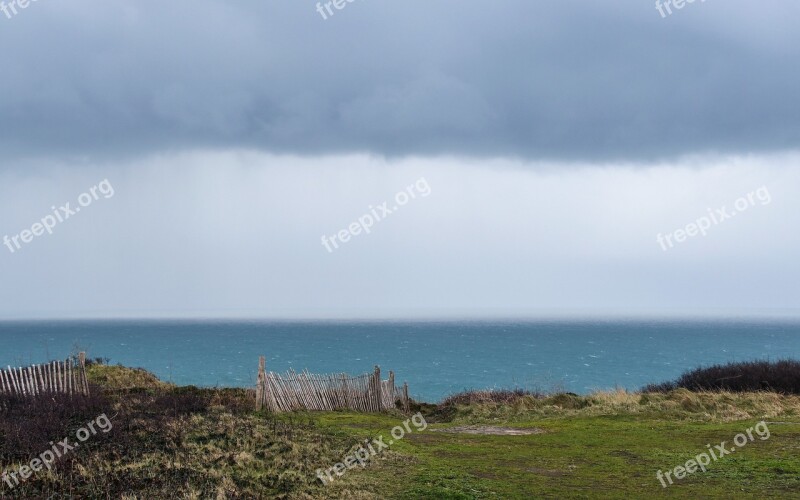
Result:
pixel 119 377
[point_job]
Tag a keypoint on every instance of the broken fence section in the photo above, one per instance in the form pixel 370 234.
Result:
pixel 307 391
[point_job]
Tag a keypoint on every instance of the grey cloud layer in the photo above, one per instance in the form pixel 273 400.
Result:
pixel 232 234
pixel 561 80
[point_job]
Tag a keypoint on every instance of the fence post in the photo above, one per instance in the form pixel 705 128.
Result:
pixel 84 379
pixel 406 406
pixel 262 364
pixel 348 401
pixel 390 399
pixel 70 369
pixel 377 383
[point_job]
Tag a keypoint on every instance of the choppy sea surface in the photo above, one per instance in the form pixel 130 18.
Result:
pixel 435 358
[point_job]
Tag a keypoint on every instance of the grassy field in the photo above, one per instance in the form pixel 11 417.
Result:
pixel 606 446
pixel 177 442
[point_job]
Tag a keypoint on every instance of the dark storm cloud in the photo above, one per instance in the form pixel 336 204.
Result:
pixel 561 80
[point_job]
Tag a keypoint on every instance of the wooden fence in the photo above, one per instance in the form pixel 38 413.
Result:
pixel 67 377
pixel 306 391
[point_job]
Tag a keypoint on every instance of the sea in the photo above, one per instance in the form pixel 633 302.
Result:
pixel 436 358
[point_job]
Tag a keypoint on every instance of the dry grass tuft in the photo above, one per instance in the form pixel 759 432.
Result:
pixel 679 404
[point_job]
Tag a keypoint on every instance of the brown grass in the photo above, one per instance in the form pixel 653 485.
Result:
pixel 679 404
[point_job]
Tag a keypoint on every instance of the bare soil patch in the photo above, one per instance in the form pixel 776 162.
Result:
pixel 547 472
pixel 490 430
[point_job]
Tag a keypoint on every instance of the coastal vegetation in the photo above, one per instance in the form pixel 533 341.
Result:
pixel 781 376
pixel 187 442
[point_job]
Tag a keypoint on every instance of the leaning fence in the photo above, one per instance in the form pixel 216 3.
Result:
pixel 307 391
pixel 66 377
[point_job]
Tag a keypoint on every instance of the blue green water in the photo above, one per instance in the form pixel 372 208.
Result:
pixel 436 358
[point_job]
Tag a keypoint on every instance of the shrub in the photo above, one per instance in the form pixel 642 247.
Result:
pixel 751 376
pixel 183 401
pixel 568 401
pixel 28 425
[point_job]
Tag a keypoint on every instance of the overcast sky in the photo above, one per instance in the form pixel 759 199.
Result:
pixel 555 142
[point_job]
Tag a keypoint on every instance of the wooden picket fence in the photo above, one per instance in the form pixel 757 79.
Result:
pixel 307 391
pixel 67 377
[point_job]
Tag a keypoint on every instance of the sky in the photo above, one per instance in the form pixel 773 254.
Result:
pixel 407 159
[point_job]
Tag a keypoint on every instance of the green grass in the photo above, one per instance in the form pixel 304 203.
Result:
pixel 607 445
pixel 577 457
